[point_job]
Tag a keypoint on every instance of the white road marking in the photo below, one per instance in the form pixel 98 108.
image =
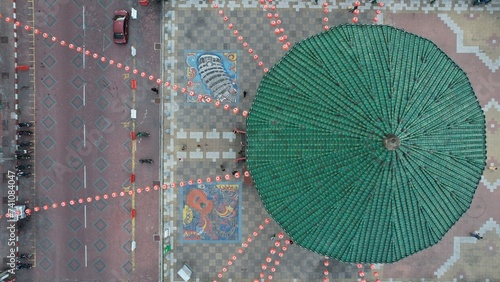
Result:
pixel 84 135
pixel 85 255
pixel 84 94
pixel 85 216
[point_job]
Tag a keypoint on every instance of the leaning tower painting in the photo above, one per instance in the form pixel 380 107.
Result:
pixel 212 75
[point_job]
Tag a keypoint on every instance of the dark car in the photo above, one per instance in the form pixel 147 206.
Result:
pixel 120 27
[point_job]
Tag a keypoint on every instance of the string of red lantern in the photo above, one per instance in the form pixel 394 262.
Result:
pixel 242 249
pixel 142 74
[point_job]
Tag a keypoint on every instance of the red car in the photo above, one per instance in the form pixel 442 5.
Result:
pixel 120 27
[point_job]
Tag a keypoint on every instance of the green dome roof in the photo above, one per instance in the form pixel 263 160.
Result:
pixel 366 143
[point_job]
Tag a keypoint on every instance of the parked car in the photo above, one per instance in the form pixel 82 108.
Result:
pixel 120 27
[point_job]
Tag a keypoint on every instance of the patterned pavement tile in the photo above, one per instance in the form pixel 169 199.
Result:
pixel 127 164
pixel 102 103
pixel 75 224
pixel 101 184
pixel 45 263
pixel 78 41
pixel 77 81
pixel 78 3
pixel 75 163
pixel 49 81
pixel 127 267
pixel 100 225
pixel 48 122
pixel 46 201
pixel 77 102
pixel 76 143
pixel 49 61
pixel 75 207
pixel 127 204
pixel 127 144
pixel 99 265
pixel 78 21
pixel 48 143
pixel 48 42
pixel 47 182
pixel 48 102
pixel 50 20
pixel 102 123
pixel 102 82
pixel 101 143
pixel 100 205
pixel 76 183
pixel 127 226
pixel 127 246
pixel 74 244
pixel 77 60
pixel 104 3
pixel 74 264
pixel 77 122
pixel 50 3
pixel 104 65
pixel 101 164
pixel 46 223
pixel 45 244
pixel 100 245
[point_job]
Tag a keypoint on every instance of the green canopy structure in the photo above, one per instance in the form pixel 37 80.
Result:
pixel 366 143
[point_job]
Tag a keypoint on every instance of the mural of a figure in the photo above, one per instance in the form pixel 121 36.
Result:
pixel 211 213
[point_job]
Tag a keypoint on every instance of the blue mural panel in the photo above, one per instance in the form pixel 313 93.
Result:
pixel 212 76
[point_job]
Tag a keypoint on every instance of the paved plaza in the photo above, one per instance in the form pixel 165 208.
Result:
pixel 224 235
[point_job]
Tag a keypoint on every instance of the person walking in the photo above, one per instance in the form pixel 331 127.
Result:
pixel 222 167
pixel 244 94
pixel 476 235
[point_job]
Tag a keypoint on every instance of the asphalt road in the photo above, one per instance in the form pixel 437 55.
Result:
pixel 83 145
